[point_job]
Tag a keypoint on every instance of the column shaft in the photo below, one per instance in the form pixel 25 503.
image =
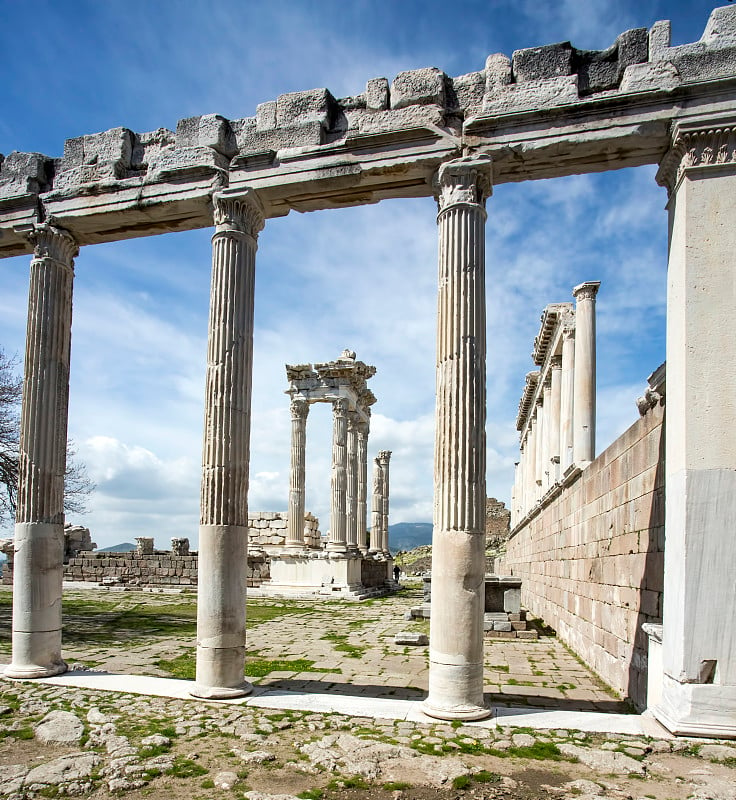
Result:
pixel 548 425
pixel 566 398
pixel 295 530
pixel 223 531
pixel 531 479
pixel 584 381
pixel 362 486
pixel 39 528
pixel 458 563
pixel 540 437
pixel 338 511
pixel 554 419
pixel 376 508
pixel 384 458
pixel 351 500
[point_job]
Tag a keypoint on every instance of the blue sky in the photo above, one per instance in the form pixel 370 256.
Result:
pixel 363 278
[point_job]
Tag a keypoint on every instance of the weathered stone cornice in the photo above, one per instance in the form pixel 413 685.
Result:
pixel 586 291
pixel 544 112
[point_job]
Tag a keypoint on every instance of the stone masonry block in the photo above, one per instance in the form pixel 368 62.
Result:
pixel 418 87
pixel 266 116
pixel 115 145
pixel 377 94
pixel 498 72
pixel 541 63
pixel 468 90
pixel 23 173
pixel 298 108
pixel 210 130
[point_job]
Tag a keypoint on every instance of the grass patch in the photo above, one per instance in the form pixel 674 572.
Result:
pixel 186 768
pixel 259 667
pixel 341 645
pixel 462 782
pixel 396 786
pixel 311 794
pixel 354 782
pixel 499 667
pixel 539 751
pixel 21 734
pixel 207 783
pixel 484 776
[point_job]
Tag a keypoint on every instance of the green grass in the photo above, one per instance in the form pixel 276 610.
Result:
pixel 354 782
pixel 259 667
pixel 341 645
pixel 186 768
pixel 22 734
pixel 311 794
pixel 462 782
pixel 484 776
pixel 499 667
pixel 396 786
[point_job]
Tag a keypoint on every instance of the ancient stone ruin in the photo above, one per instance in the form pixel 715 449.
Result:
pixel 544 112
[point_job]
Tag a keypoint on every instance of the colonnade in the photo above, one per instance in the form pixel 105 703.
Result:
pixel 556 417
pixel 699 692
pixel 379 505
pixel 342 383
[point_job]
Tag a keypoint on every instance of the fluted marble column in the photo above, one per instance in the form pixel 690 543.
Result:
pixel 555 401
pixel 39 527
pixel 384 457
pixel 566 397
pixel 351 494
pixel 584 382
pixel 548 424
pixel 531 475
pixel 223 530
pixel 540 433
pixel 362 485
pixel 376 507
pixel 458 589
pixel 295 529
pixel 338 511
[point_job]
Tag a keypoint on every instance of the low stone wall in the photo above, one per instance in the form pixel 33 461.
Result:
pixel 158 569
pixel 591 559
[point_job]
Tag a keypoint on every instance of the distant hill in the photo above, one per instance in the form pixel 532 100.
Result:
pixel 408 535
pixel 125 547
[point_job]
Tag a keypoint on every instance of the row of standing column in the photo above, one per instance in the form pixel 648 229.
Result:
pixel 561 428
pixel 348 496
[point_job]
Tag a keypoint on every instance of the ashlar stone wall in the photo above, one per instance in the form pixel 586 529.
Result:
pixel 591 559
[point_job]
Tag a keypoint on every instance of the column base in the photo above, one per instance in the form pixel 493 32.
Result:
pixel 221 692
pixel 462 712
pixel 295 547
pixel 697 709
pixel 27 671
pixel 336 547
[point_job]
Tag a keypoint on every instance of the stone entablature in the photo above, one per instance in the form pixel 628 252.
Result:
pixel 308 150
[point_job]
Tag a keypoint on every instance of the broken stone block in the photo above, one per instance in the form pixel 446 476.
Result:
pixel 498 72
pixel 527 635
pixel 410 638
pixel 501 626
pixel 377 95
pixel 23 173
pixel 209 130
pixel 113 146
pixel 541 63
pixel 299 108
pixel 418 87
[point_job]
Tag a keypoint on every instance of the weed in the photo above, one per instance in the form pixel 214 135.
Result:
pixel 461 782
pixel 207 783
pixel 499 667
pixel 341 645
pixel 186 768
pixel 354 782
pixel 21 734
pixel 396 786
pixel 484 776
pixel 311 794
pixel 540 751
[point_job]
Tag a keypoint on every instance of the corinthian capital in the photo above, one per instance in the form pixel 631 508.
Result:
pixel 586 291
pixel 299 408
pixel 340 407
pixel 55 243
pixel 241 213
pixel 698 144
pixel 464 181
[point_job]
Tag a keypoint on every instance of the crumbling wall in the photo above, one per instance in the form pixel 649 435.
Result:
pixel 592 559
pixel 267 529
